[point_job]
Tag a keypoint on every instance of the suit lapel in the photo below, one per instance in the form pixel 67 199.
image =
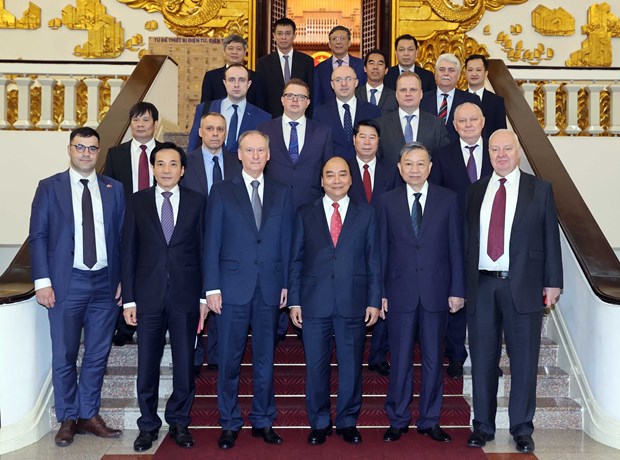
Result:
pixel 182 213
pixel 276 65
pixel 241 195
pixel 321 220
pixel 526 193
pixel 107 202
pixel 349 224
pixel 402 206
pixel 429 209
pixel 476 204
pixel 198 167
pixel 151 211
pixel 65 198
pixel 268 199
pixel 394 122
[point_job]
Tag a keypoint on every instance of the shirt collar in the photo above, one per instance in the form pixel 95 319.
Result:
pixel 76 177
pixel 248 179
pixel 345 60
pixel 465 144
pixel 206 151
pixel 301 120
pixel 150 145
pixel 449 93
pixel 371 164
pixel 160 190
pixel 511 178
pixel 423 190
pixel 402 113
pixel 378 88
pixel 343 201
pixel 289 54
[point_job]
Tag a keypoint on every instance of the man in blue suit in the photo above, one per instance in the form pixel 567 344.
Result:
pixel 75 233
pixel 374 90
pixel 344 111
pixel 422 256
pixel 335 291
pixel 406 49
pixel 339 43
pixel 247 243
pixel 241 116
pixel 493 108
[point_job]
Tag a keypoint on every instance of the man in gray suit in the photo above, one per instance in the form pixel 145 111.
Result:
pixel 374 91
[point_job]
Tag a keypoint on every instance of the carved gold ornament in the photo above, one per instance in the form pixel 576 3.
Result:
pixel 31 18
pixel 596 49
pixel 552 22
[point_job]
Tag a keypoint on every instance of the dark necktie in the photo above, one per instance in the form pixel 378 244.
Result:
pixel 367 184
pixel 373 96
pixel 143 169
pixel 293 144
pixel 88 227
pixel 495 242
pixel 348 123
pixel 257 207
pixel 339 62
pixel 287 70
pixel 416 214
pixel 232 130
pixel 167 216
pixel 217 171
pixel 335 226
pixel 408 129
pixel 443 108
pixel 471 164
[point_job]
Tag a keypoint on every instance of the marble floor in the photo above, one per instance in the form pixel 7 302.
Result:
pixel 550 445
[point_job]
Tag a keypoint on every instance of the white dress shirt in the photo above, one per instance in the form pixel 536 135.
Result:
pixel 283 61
pixel 343 206
pixel 136 151
pixel 415 122
pixel 352 108
pixel 479 92
pixel 411 196
pixel 301 131
pixel 371 170
pixel 377 94
pixel 227 110
pixel 450 99
pixel 174 201
pixel 477 153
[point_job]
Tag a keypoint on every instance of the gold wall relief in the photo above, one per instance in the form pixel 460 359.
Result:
pixel 31 18
pixel 552 22
pixel 596 49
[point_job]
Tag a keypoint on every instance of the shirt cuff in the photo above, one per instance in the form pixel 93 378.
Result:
pixel 42 283
pixel 214 291
pixel 294 306
pixel 129 305
pixel 203 301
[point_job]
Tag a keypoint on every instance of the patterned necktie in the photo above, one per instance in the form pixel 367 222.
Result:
pixel 339 62
pixel 167 216
pixel 257 207
pixel 408 129
pixel 348 123
pixel 367 184
pixel 231 141
pixel 88 227
pixel 443 108
pixel 217 171
pixel 293 144
pixel 335 226
pixel 495 241
pixel 143 169
pixel 471 164
pixel 373 96
pixel 416 214
pixel 287 70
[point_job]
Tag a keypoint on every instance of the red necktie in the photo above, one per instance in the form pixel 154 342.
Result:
pixel 443 108
pixel 143 169
pixel 336 224
pixel 367 185
pixel 495 242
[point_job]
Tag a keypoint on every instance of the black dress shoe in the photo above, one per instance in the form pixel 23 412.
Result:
pixel 394 434
pixel 212 367
pixel 317 437
pixel 382 368
pixel 227 439
pixel 268 435
pixel 181 436
pixel 144 441
pixel 350 434
pixel 455 369
pixel 525 443
pixel 122 339
pixel 479 438
pixel 197 370
pixel 436 433
pixel 281 338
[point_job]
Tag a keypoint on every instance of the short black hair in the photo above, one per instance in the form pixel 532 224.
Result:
pixel 285 22
pixel 369 123
pixel 473 57
pixel 168 146
pixel 342 28
pixel 141 108
pixel 375 51
pixel 84 131
pixel 406 37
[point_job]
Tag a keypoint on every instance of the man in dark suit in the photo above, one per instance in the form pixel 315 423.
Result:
pixel 335 290
pixel 247 243
pixel 128 163
pixel 162 287
pixel 421 230
pixel 339 43
pixel 205 166
pixel 342 112
pixel 476 72
pixel 456 167
pixel 276 69
pixel 240 114
pixel 406 47
pixel 75 233
pixel 409 123
pixel 371 178
pixel 447 97
pixel 513 259
pixel 374 90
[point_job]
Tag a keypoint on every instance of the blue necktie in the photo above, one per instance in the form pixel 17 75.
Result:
pixel 293 145
pixel 217 171
pixel 232 130
pixel 373 96
pixel 167 216
pixel 348 123
pixel 339 62
pixel 408 129
pixel 416 214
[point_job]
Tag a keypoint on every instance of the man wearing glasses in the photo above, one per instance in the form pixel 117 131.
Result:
pixel 75 233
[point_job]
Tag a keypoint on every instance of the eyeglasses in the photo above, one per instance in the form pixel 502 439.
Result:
pixel 299 97
pixel 80 148
pixel 341 79
pixel 339 38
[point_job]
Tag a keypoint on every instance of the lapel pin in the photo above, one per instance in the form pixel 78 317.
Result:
pixel 109 185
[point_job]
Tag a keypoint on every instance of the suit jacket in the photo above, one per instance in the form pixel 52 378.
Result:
pixel 252 117
pixel 213 87
pixel 118 165
pixel 428 268
pixel 429 104
pixel 270 72
pixel 346 278
pixel 328 115
pixel 52 230
pixel 195 176
pixel 431 132
pixel 494 112
pixel 449 169
pixel 153 269
pixel 386 178
pixel 387 102
pixel 238 256
pixel 427 77
pixel 304 177
pixel 535 254
pixel 322 91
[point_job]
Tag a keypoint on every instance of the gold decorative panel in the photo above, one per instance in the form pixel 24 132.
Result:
pixel 552 22
pixel 31 18
pixel 596 49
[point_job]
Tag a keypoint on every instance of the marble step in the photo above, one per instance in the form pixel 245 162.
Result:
pixel 548 354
